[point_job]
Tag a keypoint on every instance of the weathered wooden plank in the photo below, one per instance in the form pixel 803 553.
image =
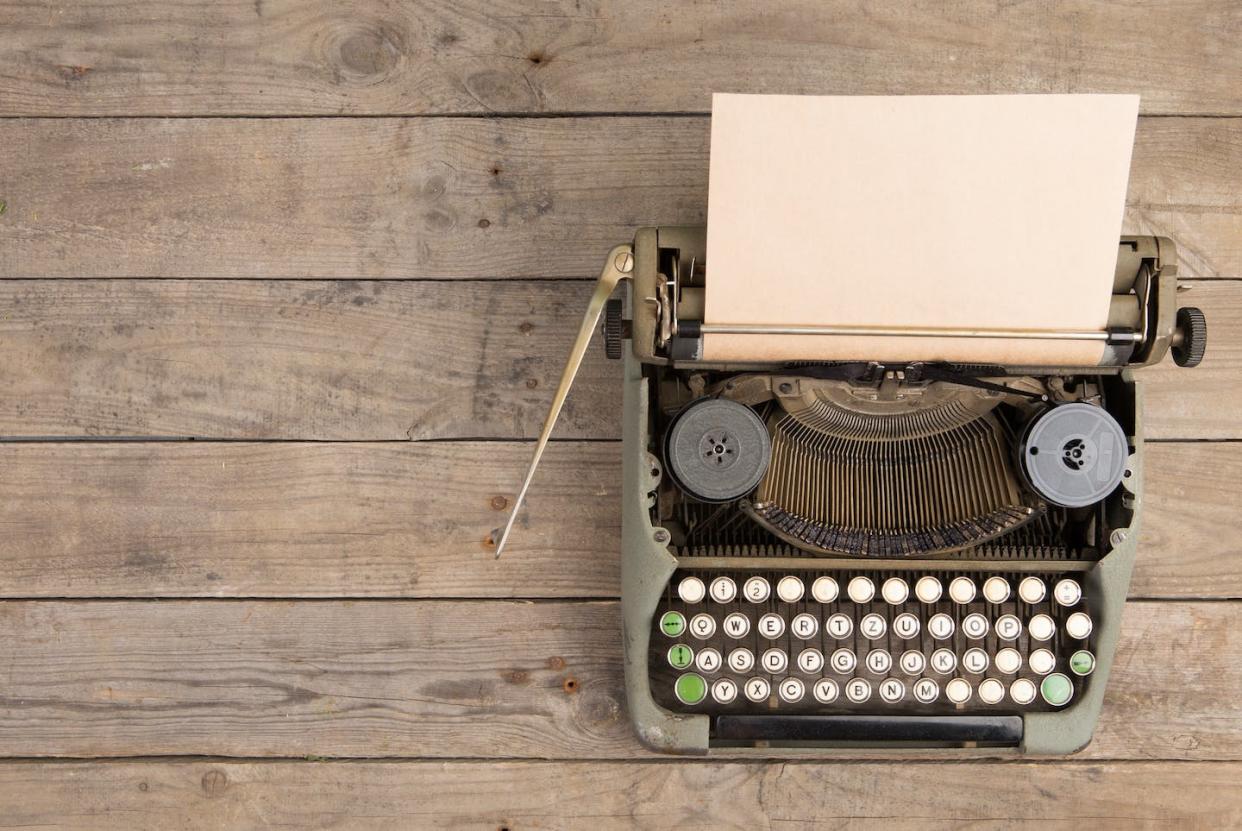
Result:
pixel 412 520
pixel 210 795
pixel 281 56
pixel 385 360
pixel 464 679
pixel 439 198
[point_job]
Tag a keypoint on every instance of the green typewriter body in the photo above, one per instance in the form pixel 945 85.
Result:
pixel 846 554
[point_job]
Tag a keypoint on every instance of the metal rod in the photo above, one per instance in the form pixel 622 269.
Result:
pixel 617 268
pixel 913 332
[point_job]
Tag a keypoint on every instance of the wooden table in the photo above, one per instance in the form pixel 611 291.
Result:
pixel 286 286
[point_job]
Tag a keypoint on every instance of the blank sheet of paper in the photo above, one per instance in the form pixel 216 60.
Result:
pixel 978 211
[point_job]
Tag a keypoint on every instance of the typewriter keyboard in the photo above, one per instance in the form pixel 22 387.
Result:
pixel 870 641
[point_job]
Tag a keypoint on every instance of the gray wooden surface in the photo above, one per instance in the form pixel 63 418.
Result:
pixel 284 287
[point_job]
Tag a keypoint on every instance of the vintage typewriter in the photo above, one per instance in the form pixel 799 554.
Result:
pixel 864 554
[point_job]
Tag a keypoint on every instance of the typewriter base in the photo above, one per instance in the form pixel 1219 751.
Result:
pixel 648 564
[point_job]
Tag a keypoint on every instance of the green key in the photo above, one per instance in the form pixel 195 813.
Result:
pixel 1082 662
pixel 673 624
pixel 680 656
pixel 1057 689
pixel 691 689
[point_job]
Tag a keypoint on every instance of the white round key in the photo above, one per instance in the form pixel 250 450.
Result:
pixel 843 661
pixel 774 661
pixel 825 590
pixel 857 690
pixel 1022 691
pixel 758 690
pixel 975 626
pixel 975 660
pixel 861 589
pixel 926 690
pixel 1067 592
pixel 771 626
pixel 708 660
pixel 940 626
pixel 943 661
pixel 905 626
pixel 790 589
pixel 1078 626
pixel 913 662
pixel 895 591
pixel 839 626
pixel 991 691
pixel 825 691
pixel 1008 627
pixel 736 625
pixel 958 691
pixel 995 590
pixel 810 661
pixel 892 690
pixel 928 589
pixel 1008 661
pixel 702 626
pixel 723 590
pixel 791 690
pixel 741 660
pixel 756 589
pixel 1041 661
pixel 872 626
pixel 962 590
pixel 724 691
pixel 804 626
pixel 879 661
pixel 1032 590
pixel 691 590
pixel 1041 627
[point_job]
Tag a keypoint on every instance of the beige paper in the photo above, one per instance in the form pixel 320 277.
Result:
pixel 996 212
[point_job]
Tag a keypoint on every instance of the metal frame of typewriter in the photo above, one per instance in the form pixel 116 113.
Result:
pixel 648 333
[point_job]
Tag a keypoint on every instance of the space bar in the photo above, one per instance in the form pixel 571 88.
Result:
pixel 992 730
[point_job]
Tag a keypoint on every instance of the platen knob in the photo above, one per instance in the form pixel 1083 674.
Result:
pixel 613 329
pixel 1192 326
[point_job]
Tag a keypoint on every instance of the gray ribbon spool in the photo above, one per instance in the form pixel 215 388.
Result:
pixel 1075 455
pixel 718 450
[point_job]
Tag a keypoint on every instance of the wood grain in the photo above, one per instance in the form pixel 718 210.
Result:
pixel 449 679
pixel 281 56
pixel 412 520
pixel 392 796
pixel 447 198
pixel 380 360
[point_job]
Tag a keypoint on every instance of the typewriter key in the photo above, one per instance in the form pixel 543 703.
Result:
pixel 1008 627
pixel 843 661
pixel 1067 592
pixel 1082 662
pixel 1008 661
pixel 691 689
pixel 1057 689
pixel 926 690
pixel 680 656
pixel 1042 661
pixel 792 690
pixel 996 589
pixel 774 661
pixel 804 626
pixel 892 690
pixel 723 590
pixel 724 691
pixel 958 691
pixel 991 691
pixel 975 626
pixel 962 590
pixel 1032 590
pixel 717 449
pixel 858 690
pixel 789 589
pixel 928 589
pixel 906 626
pixel 691 590
pixel 824 590
pixel 741 660
pixel 756 589
pixel 861 589
pixel 839 626
pixel 913 662
pixel 702 626
pixel 771 626
pixel 943 661
pixel 1078 626
pixel 810 661
pixel 941 626
pixel 673 624
pixel 758 690
pixel 895 591
pixel 879 661
pixel 872 626
pixel 1022 691
pixel 825 691
pixel 736 625
pixel 708 660
pixel 975 660
pixel 1041 627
